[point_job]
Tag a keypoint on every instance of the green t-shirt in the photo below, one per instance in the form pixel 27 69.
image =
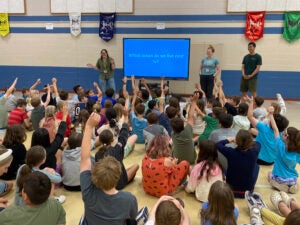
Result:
pixel 211 125
pixel 48 213
pixel 106 72
pixel 183 145
pixel 250 63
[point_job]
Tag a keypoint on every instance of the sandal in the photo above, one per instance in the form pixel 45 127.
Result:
pixel 276 199
pixel 287 199
pixel 278 186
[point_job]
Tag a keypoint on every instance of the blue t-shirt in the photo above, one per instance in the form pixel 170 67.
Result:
pixel 205 206
pixel 267 140
pixel 113 101
pixel 285 162
pixel 209 65
pixel 138 126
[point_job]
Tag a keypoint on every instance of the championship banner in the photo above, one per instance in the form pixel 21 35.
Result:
pixel 75 23
pixel 255 25
pixel 291 30
pixel 4 24
pixel 107 25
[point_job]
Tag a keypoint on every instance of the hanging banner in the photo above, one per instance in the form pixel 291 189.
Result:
pixel 107 26
pixel 291 29
pixel 75 23
pixel 4 24
pixel 255 25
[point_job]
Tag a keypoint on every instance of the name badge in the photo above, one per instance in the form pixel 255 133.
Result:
pixel 104 71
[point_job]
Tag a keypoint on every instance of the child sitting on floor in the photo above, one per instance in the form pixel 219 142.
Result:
pixel 284 175
pixel 207 171
pixel 220 208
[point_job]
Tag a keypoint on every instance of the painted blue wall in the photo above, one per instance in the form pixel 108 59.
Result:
pixel 269 82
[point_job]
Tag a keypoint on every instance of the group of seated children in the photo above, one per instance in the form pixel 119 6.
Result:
pixel 222 129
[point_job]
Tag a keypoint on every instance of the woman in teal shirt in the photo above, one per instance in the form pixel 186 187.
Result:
pixel 209 69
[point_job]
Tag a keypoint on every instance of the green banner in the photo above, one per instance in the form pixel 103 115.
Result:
pixel 291 31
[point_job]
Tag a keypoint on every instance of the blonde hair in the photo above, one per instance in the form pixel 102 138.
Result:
pixel 50 111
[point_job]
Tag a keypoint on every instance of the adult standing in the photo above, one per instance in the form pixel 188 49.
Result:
pixel 106 66
pixel 250 67
pixel 209 69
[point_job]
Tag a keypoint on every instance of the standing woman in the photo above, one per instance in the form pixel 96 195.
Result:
pixel 106 66
pixel 209 70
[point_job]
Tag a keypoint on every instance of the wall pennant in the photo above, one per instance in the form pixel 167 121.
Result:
pixel 75 23
pixel 4 24
pixel 107 26
pixel 255 25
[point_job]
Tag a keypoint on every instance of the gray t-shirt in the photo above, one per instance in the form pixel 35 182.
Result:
pixel 3 113
pixel 222 134
pixel 151 131
pixel 37 114
pixel 104 209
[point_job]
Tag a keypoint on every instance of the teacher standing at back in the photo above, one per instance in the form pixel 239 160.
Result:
pixel 250 67
pixel 209 69
pixel 106 66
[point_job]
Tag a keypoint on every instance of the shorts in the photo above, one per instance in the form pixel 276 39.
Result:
pixel 248 85
pixel 3 187
pixel 127 150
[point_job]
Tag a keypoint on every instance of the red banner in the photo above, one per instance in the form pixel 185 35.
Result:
pixel 255 25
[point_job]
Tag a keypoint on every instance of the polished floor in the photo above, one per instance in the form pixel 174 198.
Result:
pixel 74 205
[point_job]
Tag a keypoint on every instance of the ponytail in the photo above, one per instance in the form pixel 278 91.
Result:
pixel 24 171
pixel 100 154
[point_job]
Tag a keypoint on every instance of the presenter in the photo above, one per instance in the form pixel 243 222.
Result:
pixel 106 66
pixel 209 70
pixel 250 67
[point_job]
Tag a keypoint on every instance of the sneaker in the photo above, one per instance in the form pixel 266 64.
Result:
pixel 142 216
pixel 255 216
pixel 250 200
pixel 259 202
pixel 61 199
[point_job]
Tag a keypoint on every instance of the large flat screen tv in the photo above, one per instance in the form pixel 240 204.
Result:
pixel 156 57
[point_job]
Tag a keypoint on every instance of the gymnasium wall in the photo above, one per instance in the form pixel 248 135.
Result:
pixel 30 51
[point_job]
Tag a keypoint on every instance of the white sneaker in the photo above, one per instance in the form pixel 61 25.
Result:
pixel 61 199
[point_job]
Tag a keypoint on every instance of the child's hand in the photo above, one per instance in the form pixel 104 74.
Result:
pixel 231 139
pixel 50 170
pixel 38 81
pixel 54 80
pixel 195 97
pixel 197 86
pixel 93 120
pixel 125 80
pixel 95 84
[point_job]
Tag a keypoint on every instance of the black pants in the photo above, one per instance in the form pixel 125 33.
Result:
pixel 207 85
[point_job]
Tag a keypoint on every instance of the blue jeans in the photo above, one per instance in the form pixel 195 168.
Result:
pixel 107 83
